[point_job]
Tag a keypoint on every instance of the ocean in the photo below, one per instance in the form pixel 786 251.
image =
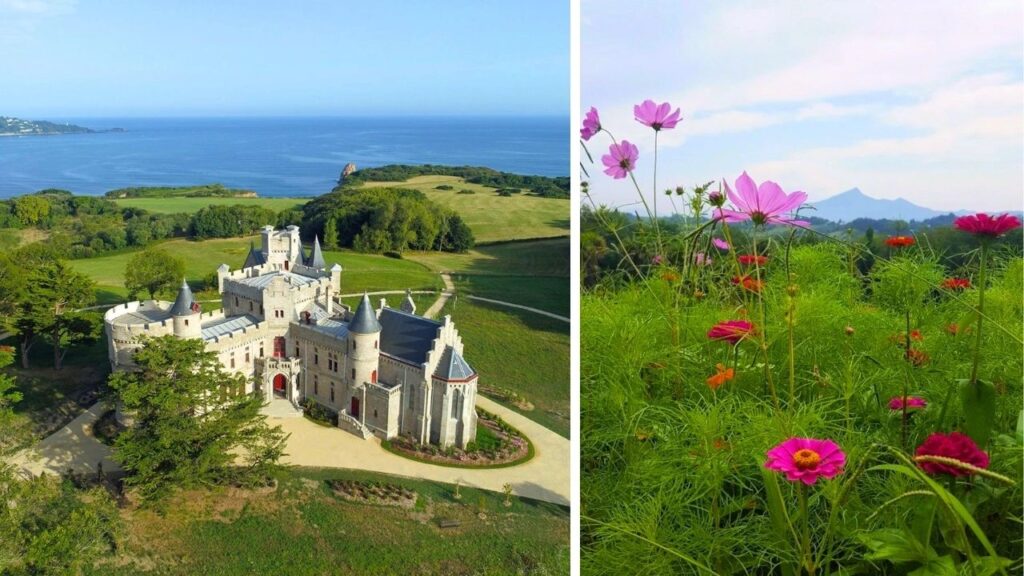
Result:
pixel 273 156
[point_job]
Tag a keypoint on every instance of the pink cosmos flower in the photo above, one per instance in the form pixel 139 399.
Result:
pixel 657 259
pixel 656 115
pixel 591 124
pixel 720 244
pixel 953 445
pixel 913 402
pixel 806 459
pixel 731 331
pixel 982 224
pixel 620 160
pixel 764 204
pixel 702 259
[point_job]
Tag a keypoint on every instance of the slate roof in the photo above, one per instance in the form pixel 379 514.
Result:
pixel 185 304
pixel 364 321
pixel 316 258
pixel 453 367
pixel 263 280
pixel 225 326
pixel 330 327
pixel 407 336
pixel 255 257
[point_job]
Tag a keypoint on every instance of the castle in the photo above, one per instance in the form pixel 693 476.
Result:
pixel 383 371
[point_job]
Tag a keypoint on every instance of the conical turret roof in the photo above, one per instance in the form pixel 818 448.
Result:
pixel 364 321
pixel 185 304
pixel 316 259
pixel 255 257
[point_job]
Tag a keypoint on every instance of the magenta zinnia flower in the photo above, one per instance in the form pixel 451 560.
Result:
pixel 912 402
pixel 620 160
pixel 720 244
pixel 656 115
pixel 953 445
pixel 591 124
pixel 764 204
pixel 731 331
pixel 982 224
pixel 806 459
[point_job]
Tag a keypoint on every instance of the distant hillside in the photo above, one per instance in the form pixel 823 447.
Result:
pixel 538 185
pixel 18 127
pixel 200 191
pixel 854 204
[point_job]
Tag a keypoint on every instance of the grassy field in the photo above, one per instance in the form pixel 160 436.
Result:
pixel 361 271
pixel 190 205
pixel 493 218
pixel 537 258
pixel 520 351
pixel 303 528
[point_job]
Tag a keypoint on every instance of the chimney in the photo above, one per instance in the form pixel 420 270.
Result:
pixel 329 304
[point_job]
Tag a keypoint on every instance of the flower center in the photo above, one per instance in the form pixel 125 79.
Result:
pixel 656 125
pixel 806 459
pixel 624 164
pixel 758 217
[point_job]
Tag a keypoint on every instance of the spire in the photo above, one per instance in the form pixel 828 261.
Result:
pixel 408 305
pixel 255 257
pixel 364 321
pixel 185 304
pixel 316 259
pixel 302 255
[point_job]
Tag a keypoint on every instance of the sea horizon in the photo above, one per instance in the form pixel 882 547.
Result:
pixel 275 156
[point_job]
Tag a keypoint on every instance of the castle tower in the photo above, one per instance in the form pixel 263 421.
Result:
pixel 364 344
pixel 316 258
pixel 185 314
pixel 283 248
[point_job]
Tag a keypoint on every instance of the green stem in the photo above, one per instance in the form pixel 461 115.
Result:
pixel 981 312
pixel 806 544
pixel 764 320
pixel 655 187
pixel 903 426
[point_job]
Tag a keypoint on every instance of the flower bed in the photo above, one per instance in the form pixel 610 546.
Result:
pixel 497 445
pixel 374 492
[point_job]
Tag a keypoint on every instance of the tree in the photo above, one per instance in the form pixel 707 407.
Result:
pixel 51 308
pixel 331 234
pixel 153 270
pixel 31 210
pixel 193 423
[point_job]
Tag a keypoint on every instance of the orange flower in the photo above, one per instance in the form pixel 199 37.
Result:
pixel 669 276
pixel 917 357
pixel 721 376
pixel 899 241
pixel 748 283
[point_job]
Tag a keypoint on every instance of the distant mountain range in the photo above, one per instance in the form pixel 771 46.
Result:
pixel 854 204
pixel 18 127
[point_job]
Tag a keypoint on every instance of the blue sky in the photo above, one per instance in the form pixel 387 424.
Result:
pixel 62 58
pixel 920 100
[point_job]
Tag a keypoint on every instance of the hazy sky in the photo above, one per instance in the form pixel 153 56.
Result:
pixel 234 57
pixel 923 100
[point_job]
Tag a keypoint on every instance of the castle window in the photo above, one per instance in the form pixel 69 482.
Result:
pixel 232 361
pixel 246 356
pixel 375 413
pixel 296 348
pixel 353 344
pixel 261 350
pixel 316 385
pixel 250 306
pixel 373 377
pixel 186 322
pixel 332 392
pixel 316 359
pixel 236 300
pixel 374 344
pixel 353 373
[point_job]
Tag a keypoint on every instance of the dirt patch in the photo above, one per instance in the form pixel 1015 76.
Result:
pixel 379 493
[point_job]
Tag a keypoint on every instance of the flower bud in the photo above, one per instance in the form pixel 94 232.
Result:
pixel 849 330
pixel 717 199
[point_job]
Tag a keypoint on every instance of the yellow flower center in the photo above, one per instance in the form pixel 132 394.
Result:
pixel 805 459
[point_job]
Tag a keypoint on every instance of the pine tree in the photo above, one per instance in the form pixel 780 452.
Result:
pixel 193 423
pixel 331 234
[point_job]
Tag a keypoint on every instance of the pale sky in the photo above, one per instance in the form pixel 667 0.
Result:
pixel 68 58
pixel 920 100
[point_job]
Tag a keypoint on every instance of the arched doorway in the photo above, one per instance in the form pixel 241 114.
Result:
pixel 280 382
pixel 354 408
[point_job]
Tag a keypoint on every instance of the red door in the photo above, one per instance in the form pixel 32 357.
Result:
pixel 279 347
pixel 354 409
pixel 279 383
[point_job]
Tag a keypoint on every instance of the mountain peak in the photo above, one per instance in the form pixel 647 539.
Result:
pixel 854 203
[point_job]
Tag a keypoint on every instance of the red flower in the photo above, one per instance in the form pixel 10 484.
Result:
pixel 982 224
pixel 748 259
pixel 721 376
pixel 748 283
pixel 953 445
pixel 731 331
pixel 917 357
pixel 899 241
pixel 956 283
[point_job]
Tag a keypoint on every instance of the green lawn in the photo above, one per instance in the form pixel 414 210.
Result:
pixel 520 351
pixel 303 528
pixel 190 205
pixel 537 258
pixel 491 217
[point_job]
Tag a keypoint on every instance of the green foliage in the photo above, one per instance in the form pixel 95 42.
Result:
pixel 50 308
pixel 221 221
pixel 200 191
pixel 381 219
pixel 153 270
pixel 331 234
pixel 672 472
pixel 194 425
pixel 31 210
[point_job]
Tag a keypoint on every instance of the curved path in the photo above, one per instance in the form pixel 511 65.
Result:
pixel 545 477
